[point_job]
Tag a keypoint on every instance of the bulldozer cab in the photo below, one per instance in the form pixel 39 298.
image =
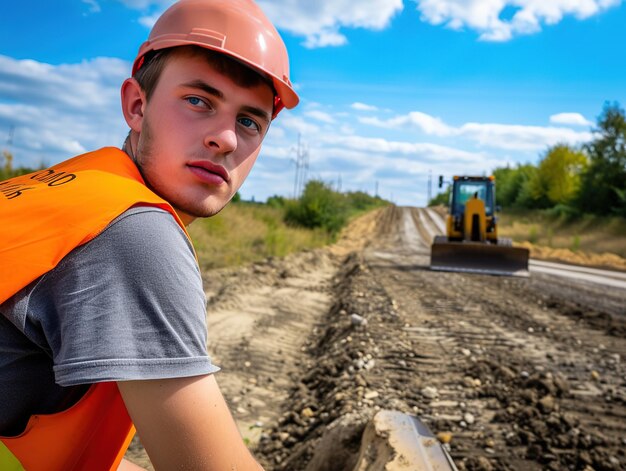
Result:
pixel 465 188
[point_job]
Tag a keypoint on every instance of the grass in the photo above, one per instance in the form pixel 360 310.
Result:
pixel 588 233
pixel 246 232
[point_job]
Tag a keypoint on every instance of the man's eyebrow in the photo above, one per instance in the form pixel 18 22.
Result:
pixel 258 112
pixel 205 87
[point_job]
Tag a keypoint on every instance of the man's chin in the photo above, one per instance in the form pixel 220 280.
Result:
pixel 191 213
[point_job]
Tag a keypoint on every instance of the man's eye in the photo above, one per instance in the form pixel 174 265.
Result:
pixel 249 123
pixel 195 101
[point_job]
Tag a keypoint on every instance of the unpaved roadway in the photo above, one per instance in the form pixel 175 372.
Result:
pixel 513 373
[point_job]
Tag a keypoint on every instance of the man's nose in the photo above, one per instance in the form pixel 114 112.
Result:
pixel 222 139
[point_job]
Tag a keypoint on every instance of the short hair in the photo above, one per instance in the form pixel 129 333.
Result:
pixel 154 62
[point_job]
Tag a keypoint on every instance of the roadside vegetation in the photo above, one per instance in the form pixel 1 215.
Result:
pixel 586 234
pixel 246 232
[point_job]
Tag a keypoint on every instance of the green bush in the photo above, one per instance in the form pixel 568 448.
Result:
pixel 322 207
pixel 319 206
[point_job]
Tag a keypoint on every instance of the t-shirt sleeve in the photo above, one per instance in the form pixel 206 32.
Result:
pixel 128 305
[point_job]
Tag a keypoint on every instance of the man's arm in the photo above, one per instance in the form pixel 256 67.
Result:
pixel 184 423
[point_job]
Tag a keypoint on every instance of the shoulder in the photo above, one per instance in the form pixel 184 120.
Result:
pixel 142 236
pixel 142 254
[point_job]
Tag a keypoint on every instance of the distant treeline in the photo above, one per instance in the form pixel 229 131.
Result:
pixel 571 180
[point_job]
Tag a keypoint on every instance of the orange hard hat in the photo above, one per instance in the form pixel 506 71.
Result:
pixel 237 28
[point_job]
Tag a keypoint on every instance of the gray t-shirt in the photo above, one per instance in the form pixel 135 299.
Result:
pixel 128 305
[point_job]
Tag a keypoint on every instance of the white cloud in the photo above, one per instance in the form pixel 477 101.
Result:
pixel 422 150
pixel 521 138
pixel 94 7
pixel 320 116
pixel 298 124
pixel 428 124
pixel 499 136
pixel 320 22
pixel 486 16
pixel 58 111
pixel 362 107
pixel 574 119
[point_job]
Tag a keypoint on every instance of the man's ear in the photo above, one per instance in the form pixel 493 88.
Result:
pixel 133 103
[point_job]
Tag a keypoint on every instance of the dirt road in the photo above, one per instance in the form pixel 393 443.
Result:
pixel 513 373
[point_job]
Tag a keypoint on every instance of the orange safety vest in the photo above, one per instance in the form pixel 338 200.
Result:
pixel 45 215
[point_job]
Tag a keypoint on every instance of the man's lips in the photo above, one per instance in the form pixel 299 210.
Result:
pixel 209 172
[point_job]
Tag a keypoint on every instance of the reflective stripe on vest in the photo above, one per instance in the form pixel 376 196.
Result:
pixel 45 215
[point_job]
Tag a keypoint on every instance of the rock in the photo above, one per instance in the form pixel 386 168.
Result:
pixel 506 373
pixel 561 383
pixel 469 418
pixel 307 412
pixel 444 437
pixel 466 352
pixel 430 392
pixel 478 464
pixel 355 319
pixel 468 382
pixel 547 404
pixel 338 447
pixel 595 375
pixel 359 380
pixel 371 394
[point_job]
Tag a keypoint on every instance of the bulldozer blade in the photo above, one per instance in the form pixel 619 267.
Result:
pixel 485 258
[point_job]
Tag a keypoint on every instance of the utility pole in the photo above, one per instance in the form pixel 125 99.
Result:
pixel 302 167
pixel 7 155
pixel 376 189
pixel 430 186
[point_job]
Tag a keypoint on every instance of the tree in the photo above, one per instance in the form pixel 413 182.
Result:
pixel 513 187
pixel 442 198
pixel 559 173
pixel 603 184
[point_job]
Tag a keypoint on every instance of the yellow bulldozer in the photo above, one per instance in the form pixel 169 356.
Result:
pixel 471 243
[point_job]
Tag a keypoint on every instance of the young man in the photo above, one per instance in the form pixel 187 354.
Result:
pixel 103 311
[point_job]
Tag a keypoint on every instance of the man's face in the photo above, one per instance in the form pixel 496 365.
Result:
pixel 200 135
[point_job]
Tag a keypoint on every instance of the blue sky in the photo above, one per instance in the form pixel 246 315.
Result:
pixel 391 91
